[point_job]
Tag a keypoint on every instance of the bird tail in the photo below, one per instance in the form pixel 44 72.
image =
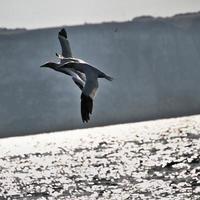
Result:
pixel 86 107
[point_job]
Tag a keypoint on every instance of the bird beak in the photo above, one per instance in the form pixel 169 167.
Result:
pixel 43 65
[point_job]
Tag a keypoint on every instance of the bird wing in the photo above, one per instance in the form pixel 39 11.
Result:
pixel 88 93
pixel 91 76
pixel 80 83
pixel 65 59
pixel 86 107
pixel 91 84
pixel 64 42
pixel 81 75
pixel 77 78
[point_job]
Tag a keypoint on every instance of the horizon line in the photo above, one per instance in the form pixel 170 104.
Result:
pixel 103 22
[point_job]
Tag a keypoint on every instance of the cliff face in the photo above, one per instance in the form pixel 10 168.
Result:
pixel 155 63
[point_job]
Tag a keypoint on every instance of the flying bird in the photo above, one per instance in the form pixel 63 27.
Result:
pixel 84 75
pixel 78 78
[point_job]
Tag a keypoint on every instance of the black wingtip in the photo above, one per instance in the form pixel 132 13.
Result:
pixel 63 33
pixel 86 107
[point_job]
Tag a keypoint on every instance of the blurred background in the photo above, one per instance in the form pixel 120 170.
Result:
pixel 151 48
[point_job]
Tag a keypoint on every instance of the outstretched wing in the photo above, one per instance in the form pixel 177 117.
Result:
pixel 88 93
pixel 86 107
pixel 77 79
pixel 91 75
pixel 91 84
pixel 66 50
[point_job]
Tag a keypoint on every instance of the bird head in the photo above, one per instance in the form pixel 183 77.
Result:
pixel 50 65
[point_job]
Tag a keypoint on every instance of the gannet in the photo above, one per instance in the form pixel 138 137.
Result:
pixel 83 74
